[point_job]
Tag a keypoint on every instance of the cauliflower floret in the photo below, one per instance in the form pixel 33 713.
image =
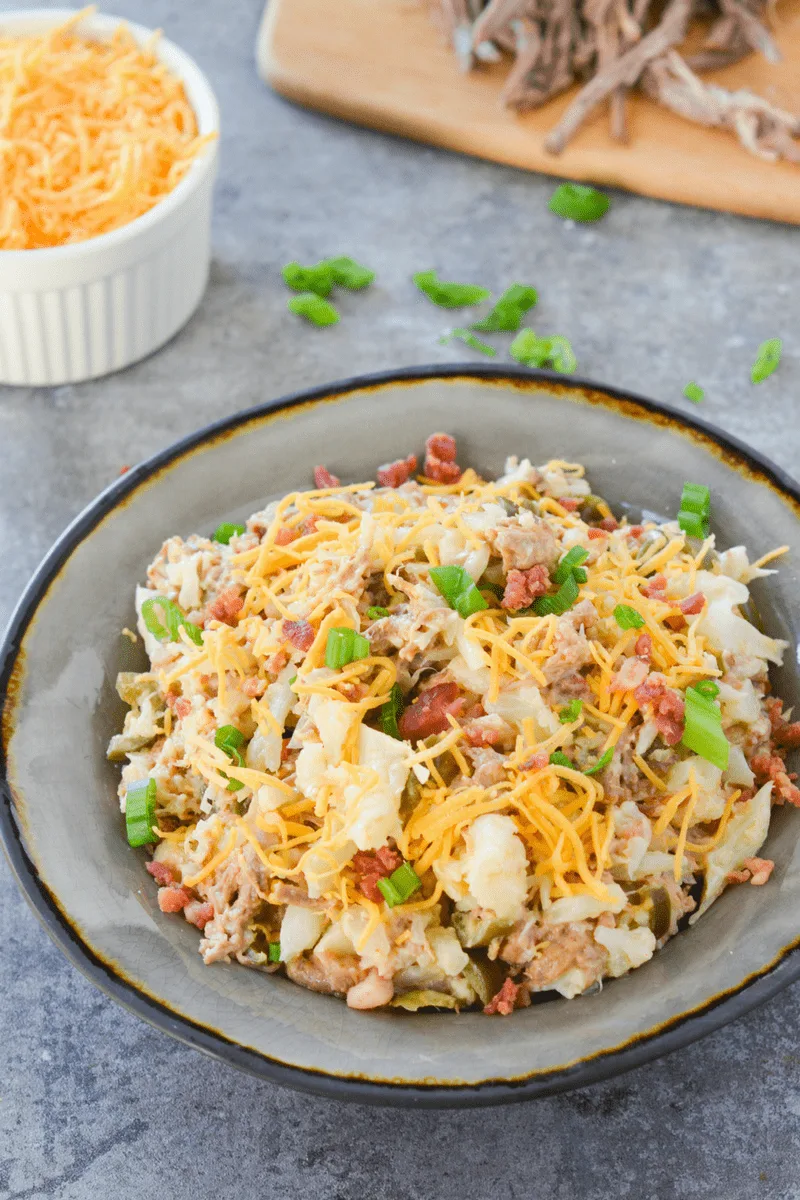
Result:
pixel 627 948
pixel 301 928
pixel 743 837
pixel 492 870
pixel 710 797
pixel 724 628
pixel 579 908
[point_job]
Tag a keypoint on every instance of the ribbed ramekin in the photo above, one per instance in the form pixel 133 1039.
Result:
pixel 74 312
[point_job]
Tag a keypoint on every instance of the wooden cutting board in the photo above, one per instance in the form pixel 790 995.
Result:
pixel 384 64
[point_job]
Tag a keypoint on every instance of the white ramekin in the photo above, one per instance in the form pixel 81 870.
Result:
pixel 75 312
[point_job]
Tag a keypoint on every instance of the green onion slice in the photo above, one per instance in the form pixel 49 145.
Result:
pixel 570 563
pixel 311 306
pixel 559 603
pixel 695 510
pixel 224 532
pixel 400 885
pixel 571 712
pixel 468 338
pixel 375 612
pixel 348 273
pixel 344 646
pixel 559 759
pixel 707 688
pixel 627 617
pixel 578 202
pixel 174 620
pixel 317 279
pixel 507 314
pixel 702 731
pixel 534 351
pixel 459 590
pixel 140 812
pixel 449 295
pixel 601 763
pixel 390 711
pixel 767 359
pixel 694 392
pixel 274 952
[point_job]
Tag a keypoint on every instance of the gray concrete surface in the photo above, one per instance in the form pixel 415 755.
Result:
pixel 91 1100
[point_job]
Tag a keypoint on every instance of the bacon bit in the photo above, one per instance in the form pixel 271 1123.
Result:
pixel 254 688
pixel 286 750
pixel 569 503
pixel 644 646
pixel 324 479
pixel 505 1000
pixel 285 535
pixel 199 914
pixel 173 899
pixel 354 691
pixel 536 762
pixel 300 633
pixel 309 525
pixel 440 458
pixel 655 587
pixel 596 533
pixel 667 707
pixel 372 867
pixel 785 733
pixel 522 587
pixel 772 766
pixel 162 872
pixel 124 469
pixel 397 472
pixel 226 607
pixel 737 877
pixel 630 676
pixel 482 735
pixel 675 622
pixel 276 662
pixel 428 714
pixel 755 870
pixel 692 604
pixel 179 704
pixel 636 531
pixel 609 524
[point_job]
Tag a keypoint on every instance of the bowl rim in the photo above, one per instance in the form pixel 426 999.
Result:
pixel 181 64
pixel 685 1028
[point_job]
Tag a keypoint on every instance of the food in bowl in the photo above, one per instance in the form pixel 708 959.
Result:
pixel 95 132
pixel 448 742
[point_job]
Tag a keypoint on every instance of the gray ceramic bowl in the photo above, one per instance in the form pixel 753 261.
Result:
pixel 60 821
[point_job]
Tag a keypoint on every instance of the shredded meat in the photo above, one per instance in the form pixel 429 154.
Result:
pixel 173 899
pixel 524 541
pixel 290 893
pixel 428 714
pixel 631 674
pixel 522 587
pixel 440 458
pixel 610 524
pixel 755 870
pixel 198 913
pixel 300 633
pixel 179 704
pixel 570 645
pixel 644 646
pixel 489 766
pixel 331 974
pixel 504 1001
pixel 784 733
pixel 226 607
pixel 395 473
pixel 254 688
pixel 324 479
pixel 772 766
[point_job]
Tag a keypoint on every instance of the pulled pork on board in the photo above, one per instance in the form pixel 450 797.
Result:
pixel 444 742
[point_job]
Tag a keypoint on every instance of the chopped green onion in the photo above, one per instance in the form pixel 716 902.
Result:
pixel 449 295
pixel 375 612
pixel 627 617
pixel 292 680
pixel 390 712
pixel 274 952
pixel 695 510
pixel 601 763
pixel 707 688
pixel 534 351
pixel 174 620
pixel 311 306
pixel 694 392
pixel 344 646
pixel 458 589
pixel 559 603
pixel 702 730
pixel 317 279
pixel 224 532
pixel 571 712
pixel 140 812
pixel 559 759
pixel 400 885
pixel 570 563
pixel 469 339
pixel 234 785
pixel 578 202
pixel 507 314
pixel 767 360
pixel 229 739
pixel 347 273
